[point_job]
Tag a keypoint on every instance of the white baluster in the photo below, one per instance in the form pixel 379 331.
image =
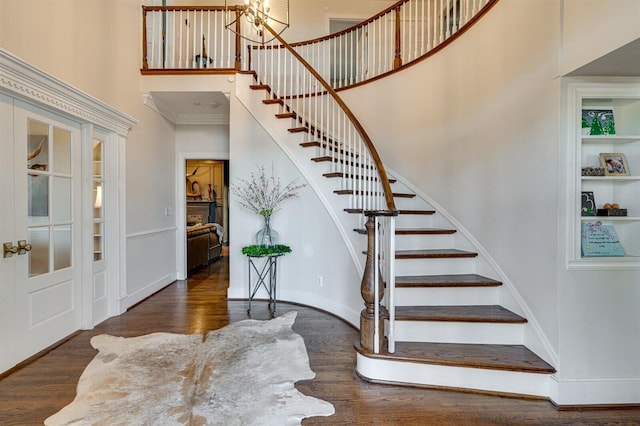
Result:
pixel 391 284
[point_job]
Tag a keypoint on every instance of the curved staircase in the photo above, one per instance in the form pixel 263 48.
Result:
pixel 450 329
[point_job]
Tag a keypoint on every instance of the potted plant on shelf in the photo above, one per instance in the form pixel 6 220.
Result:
pixel 263 195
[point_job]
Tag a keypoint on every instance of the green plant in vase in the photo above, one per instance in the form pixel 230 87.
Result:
pixel 263 195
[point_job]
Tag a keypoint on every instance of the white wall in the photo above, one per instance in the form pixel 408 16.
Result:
pixel 203 138
pixel 593 28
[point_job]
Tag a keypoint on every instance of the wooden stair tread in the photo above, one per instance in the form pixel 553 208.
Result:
pixel 286 115
pixel 454 280
pixel 272 101
pixel 260 87
pixel 433 254
pixel 298 129
pixel 417 212
pixel 351 192
pixel 416 231
pixel 328 158
pixel 473 313
pixel 493 357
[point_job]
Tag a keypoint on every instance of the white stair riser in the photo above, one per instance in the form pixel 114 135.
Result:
pixel 446 296
pixel 415 221
pixel 459 332
pixel 435 266
pixel 424 242
pixel 533 384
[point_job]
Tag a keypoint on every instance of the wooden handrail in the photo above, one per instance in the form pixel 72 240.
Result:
pixel 352 28
pixel 187 8
pixel 384 179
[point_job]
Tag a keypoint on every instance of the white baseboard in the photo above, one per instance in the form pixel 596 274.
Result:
pixel 575 392
pixel 131 299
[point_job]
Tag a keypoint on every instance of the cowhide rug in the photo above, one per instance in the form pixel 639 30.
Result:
pixel 242 374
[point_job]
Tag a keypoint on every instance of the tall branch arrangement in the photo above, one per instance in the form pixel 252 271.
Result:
pixel 263 194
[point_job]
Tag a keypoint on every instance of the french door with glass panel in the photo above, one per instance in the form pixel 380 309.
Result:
pixel 40 290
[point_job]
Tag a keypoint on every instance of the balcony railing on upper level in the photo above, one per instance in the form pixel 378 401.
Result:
pixel 193 39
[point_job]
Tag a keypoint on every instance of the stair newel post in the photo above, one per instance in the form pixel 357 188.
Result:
pixel 372 291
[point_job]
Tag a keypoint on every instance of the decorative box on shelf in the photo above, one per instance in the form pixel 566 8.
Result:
pixel 611 212
pixel 593 171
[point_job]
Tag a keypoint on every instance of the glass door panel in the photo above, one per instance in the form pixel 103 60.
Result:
pixel 38 198
pixel 39 254
pixel 49 197
pixel 61 247
pixel 61 199
pixel 61 151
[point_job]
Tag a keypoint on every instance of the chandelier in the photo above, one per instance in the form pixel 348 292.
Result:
pixel 257 14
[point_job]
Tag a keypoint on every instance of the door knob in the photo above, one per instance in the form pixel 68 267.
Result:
pixel 23 247
pixel 8 250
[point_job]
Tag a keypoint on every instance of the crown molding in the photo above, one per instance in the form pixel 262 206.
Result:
pixel 21 80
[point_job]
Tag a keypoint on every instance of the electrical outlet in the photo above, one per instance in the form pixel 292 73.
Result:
pixel 168 211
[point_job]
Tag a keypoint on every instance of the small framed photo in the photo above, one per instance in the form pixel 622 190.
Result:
pixel 615 164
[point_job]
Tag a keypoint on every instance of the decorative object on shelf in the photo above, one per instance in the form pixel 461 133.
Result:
pixel 612 210
pixel 588 204
pixel 592 171
pixel 263 195
pixel 258 13
pixel 615 164
pixel 600 121
pixel 600 240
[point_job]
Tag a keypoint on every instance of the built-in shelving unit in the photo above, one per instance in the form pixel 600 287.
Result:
pixel 623 99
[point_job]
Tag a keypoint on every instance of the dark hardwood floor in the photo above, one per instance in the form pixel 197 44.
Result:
pixel 45 385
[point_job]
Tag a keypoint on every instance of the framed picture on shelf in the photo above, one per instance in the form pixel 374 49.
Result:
pixel 598 122
pixel 588 204
pixel 615 164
